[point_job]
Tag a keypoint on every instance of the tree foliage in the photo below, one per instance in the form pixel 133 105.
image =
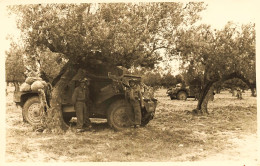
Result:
pixel 234 83
pixel 152 79
pixel 168 80
pixel 49 64
pixel 218 54
pixel 14 66
pixel 121 34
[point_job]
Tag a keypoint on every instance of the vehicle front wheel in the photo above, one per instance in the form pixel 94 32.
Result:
pixel 32 111
pixel 182 95
pixel 120 115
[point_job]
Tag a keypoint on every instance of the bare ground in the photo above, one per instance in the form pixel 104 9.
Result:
pixel 227 133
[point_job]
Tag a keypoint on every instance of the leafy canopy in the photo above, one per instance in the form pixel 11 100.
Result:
pixel 14 65
pixel 217 54
pixel 126 34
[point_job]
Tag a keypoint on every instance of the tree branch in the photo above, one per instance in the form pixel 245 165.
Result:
pixel 239 76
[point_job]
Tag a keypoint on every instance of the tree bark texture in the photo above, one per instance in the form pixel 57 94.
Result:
pixel 54 119
pixel 204 97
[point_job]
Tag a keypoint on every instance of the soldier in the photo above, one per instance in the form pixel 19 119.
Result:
pixel 133 94
pixel 239 93
pixel 79 99
pixel 197 93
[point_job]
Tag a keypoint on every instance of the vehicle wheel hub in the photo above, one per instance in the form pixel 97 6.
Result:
pixel 35 112
pixel 121 117
pixel 182 96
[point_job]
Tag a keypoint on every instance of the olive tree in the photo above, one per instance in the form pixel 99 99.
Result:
pixel 121 34
pixel 218 55
pixel 14 66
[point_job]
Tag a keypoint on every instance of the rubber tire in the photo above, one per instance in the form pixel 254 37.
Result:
pixel 171 97
pixel 126 118
pixel 25 113
pixel 179 95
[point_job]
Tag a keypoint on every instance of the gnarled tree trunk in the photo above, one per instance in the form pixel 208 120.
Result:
pixel 54 120
pixel 207 90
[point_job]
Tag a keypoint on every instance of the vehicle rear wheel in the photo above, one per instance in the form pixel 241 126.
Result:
pixel 32 111
pixel 120 115
pixel 182 95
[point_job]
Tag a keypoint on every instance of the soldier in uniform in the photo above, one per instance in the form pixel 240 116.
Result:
pixel 79 98
pixel 239 93
pixel 197 93
pixel 133 94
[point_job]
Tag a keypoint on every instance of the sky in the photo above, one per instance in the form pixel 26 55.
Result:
pixel 219 12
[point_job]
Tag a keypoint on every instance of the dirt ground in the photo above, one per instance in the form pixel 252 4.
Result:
pixel 228 133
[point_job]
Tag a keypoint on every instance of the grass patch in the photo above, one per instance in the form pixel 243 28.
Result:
pixel 171 136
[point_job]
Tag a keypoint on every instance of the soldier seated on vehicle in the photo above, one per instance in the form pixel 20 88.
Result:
pixel 79 99
pixel 133 95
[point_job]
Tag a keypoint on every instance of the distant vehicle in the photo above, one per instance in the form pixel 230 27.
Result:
pixel 107 95
pixel 181 92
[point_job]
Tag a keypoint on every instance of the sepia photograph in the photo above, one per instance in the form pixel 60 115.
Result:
pixel 129 81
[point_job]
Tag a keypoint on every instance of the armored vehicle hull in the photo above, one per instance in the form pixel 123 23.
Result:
pixel 107 101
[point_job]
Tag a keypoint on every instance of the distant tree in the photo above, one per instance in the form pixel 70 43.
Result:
pixel 152 79
pixel 168 80
pixel 219 55
pixel 180 78
pixel 14 66
pixel 234 83
pixel 192 75
pixel 20 65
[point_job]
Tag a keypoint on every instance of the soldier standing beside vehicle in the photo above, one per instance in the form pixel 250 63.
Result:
pixel 133 94
pixel 79 98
